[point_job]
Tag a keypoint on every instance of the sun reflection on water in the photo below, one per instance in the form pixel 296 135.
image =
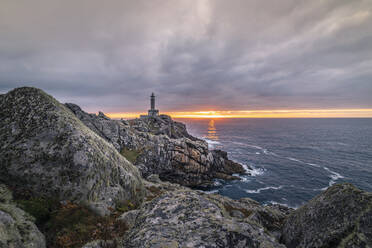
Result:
pixel 212 131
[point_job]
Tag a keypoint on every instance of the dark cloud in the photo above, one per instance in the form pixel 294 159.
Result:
pixel 204 54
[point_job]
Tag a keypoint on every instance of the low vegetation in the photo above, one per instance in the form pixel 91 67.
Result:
pixel 155 192
pixel 230 209
pixel 69 225
pixel 130 155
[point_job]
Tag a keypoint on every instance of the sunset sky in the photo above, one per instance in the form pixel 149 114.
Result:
pixel 202 58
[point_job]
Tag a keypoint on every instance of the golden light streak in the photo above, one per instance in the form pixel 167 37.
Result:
pixel 280 113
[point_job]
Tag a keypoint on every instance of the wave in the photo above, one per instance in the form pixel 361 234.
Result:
pixel 257 191
pixel 334 176
pixel 270 153
pixel 278 203
pixel 247 145
pixel 302 162
pixel 296 160
pixel 252 170
pixel 263 150
pixel 211 191
pixel 314 165
pixel 256 172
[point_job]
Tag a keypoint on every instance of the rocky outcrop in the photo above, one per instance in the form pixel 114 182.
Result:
pixel 158 145
pixel 46 149
pixel 180 217
pixel 162 124
pixel 17 228
pixel 339 217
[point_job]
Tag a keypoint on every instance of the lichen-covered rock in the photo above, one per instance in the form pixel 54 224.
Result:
pixel 101 244
pixel 162 124
pixel 175 216
pixel 129 218
pixel 45 148
pixel 159 145
pixel 339 217
pixel 270 217
pixel 17 229
pixel 186 218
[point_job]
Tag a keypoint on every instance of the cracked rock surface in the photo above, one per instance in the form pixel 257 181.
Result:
pixel 159 145
pixel 339 217
pixel 49 151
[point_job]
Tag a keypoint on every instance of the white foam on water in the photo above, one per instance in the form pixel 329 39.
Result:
pixel 257 191
pixel 334 176
pixel 267 152
pixel 263 150
pixel 254 146
pixel 295 159
pixel 314 165
pixel 245 167
pixel 256 172
pixel 211 143
pixel 252 171
pixel 212 191
pixel 302 162
pixel 217 183
pixel 282 204
pixel 245 179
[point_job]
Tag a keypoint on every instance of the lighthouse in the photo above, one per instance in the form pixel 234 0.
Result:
pixel 152 111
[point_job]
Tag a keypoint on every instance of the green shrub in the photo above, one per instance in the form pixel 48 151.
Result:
pixel 130 155
pixel 71 225
pixel 39 207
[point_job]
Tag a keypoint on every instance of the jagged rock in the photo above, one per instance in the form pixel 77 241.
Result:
pixel 162 124
pixel 339 217
pixel 186 218
pixel 270 217
pixel 176 216
pixel 46 149
pixel 129 218
pixel 159 145
pixel 17 228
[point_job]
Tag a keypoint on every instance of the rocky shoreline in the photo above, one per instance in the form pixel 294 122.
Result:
pixel 73 179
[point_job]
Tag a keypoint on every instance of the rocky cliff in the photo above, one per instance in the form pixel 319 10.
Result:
pixel 339 217
pixel 49 151
pixel 159 145
pixel 63 153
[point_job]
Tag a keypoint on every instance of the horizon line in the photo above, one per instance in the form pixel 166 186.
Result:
pixel 276 113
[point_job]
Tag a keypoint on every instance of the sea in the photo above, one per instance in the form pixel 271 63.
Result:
pixel 291 160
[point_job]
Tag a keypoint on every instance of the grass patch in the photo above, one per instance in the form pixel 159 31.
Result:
pixel 125 207
pixel 71 225
pixel 39 207
pixel 130 155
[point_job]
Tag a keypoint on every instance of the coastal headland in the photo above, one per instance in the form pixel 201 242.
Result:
pixel 73 179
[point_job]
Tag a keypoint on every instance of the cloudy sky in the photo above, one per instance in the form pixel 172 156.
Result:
pixel 195 55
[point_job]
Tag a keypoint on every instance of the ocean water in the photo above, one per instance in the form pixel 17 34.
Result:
pixel 292 159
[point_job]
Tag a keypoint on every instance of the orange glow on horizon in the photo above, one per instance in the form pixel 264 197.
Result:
pixel 289 113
